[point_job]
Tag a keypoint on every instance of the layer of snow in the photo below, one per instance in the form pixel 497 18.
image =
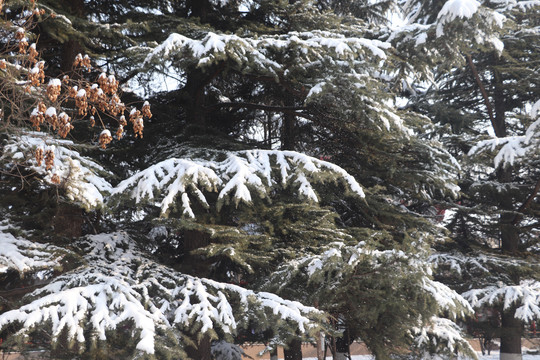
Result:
pixel 261 54
pixel 55 82
pixel 119 284
pixel 237 178
pixel 512 149
pixel 453 9
pixel 445 333
pixel 525 297
pixel 24 256
pixel 449 301
pixel 79 174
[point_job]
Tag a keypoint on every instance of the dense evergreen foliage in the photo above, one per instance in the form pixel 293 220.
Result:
pixel 291 179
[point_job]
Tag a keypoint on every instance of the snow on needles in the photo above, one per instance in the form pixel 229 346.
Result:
pixel 525 297
pixel 453 9
pixel 224 350
pixel 256 53
pixel 512 149
pixel 237 178
pixel 79 174
pixel 119 285
pixel 26 256
pixel 448 335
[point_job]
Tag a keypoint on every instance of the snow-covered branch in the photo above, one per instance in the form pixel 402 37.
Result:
pixel 441 336
pixel 512 149
pixel 24 256
pixel 237 178
pixel 525 297
pixel 260 54
pixel 119 284
pixel 79 175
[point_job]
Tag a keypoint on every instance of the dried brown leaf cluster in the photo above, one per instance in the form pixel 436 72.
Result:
pixel 41 99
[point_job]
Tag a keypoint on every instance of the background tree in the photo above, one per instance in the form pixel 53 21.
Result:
pixel 483 105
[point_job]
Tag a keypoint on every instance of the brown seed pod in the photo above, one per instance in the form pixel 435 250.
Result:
pixel 39 156
pixel 53 89
pixel 37 118
pixel 120 132
pixel 32 53
pixel 105 138
pixel 55 179
pixel 78 60
pixel 49 158
pixel 146 110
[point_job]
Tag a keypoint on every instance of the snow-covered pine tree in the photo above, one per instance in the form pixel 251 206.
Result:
pixel 317 70
pixel 484 103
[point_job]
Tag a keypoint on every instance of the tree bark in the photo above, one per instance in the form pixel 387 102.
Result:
pixel 71 47
pixel 320 346
pixel 511 329
pixel 200 9
pixel 509 232
pixel 294 350
pixel 510 326
pixel 193 94
pixel 342 346
pixel 194 98
pixel 288 129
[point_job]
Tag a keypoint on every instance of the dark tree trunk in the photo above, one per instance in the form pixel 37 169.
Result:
pixel 510 326
pixel 193 94
pixel 71 47
pixel 194 98
pixel 192 263
pixel 288 129
pixel 294 350
pixel 508 231
pixel 202 351
pixel 200 9
pixel 342 346
pixel 68 221
pixel 511 329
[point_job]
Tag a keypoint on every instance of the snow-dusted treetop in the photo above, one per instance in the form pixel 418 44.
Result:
pixel 120 284
pixel 237 178
pixel 437 38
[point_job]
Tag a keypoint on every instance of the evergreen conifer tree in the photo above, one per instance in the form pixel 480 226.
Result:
pixel 484 105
